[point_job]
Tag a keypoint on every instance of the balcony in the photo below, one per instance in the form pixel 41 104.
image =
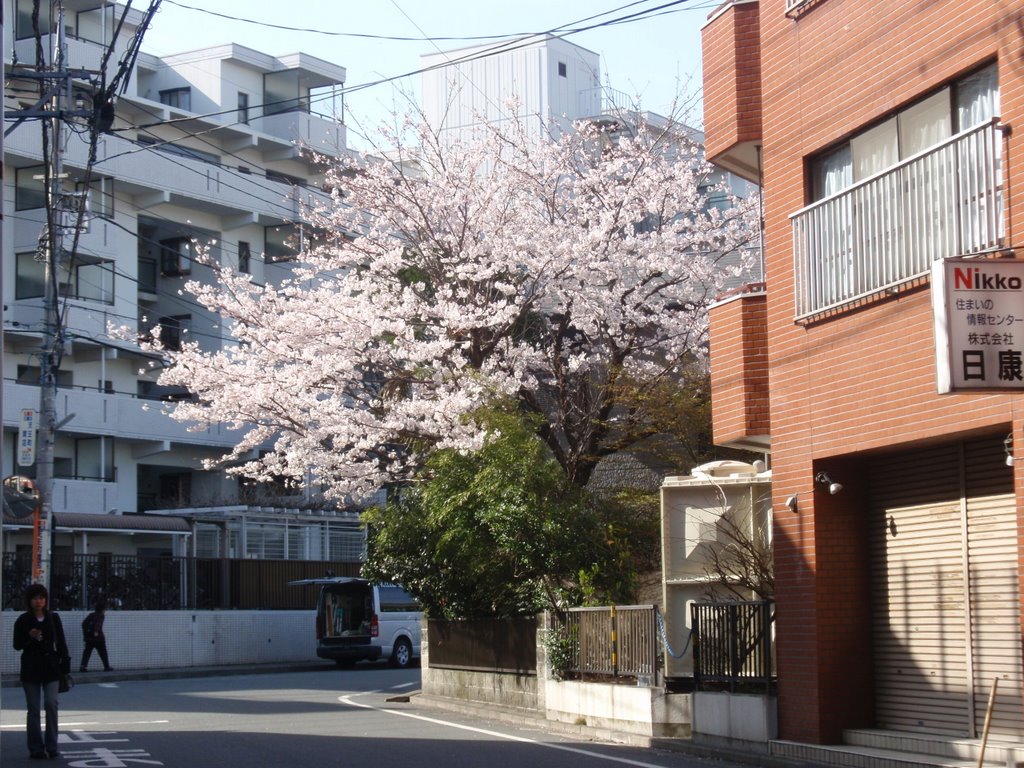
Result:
pixel 888 229
pixel 731 45
pixel 121 415
pixel 152 176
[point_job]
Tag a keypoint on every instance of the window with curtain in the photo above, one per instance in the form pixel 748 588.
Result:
pixel 966 103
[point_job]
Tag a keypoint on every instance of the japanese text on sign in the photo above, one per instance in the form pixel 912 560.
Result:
pixel 979 324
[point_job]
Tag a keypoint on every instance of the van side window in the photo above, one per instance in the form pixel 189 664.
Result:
pixel 394 599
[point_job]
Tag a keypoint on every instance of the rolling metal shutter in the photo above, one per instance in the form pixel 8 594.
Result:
pixel 944 590
pixel 994 588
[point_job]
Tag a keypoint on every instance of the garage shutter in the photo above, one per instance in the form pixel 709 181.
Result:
pixel 918 606
pixel 995 612
pixel 944 589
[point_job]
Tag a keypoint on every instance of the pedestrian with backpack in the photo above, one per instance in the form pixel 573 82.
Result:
pixel 92 635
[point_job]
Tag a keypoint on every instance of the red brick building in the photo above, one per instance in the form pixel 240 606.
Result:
pixel 883 134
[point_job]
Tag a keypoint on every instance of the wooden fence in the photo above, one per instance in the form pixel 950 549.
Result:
pixel 484 645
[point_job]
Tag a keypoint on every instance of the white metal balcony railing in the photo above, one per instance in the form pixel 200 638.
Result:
pixel 888 229
pixel 792 6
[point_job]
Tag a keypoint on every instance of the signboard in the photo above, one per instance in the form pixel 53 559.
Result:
pixel 978 308
pixel 27 438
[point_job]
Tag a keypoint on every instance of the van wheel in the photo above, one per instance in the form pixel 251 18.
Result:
pixel 401 656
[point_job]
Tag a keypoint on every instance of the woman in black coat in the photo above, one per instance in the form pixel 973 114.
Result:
pixel 39 635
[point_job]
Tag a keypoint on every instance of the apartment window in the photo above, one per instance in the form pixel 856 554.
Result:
pixel 180 98
pixel 243 108
pixel 92 279
pixel 281 243
pixel 970 101
pixel 28 276
pixel 29 188
pixel 244 257
pixel 94 459
pixel 176 489
pixel 173 331
pixel 175 257
pixel 285 242
pixel 23 19
pixel 284 91
pixel 148 273
pixel 87 279
pixel 100 197
pixel 562 69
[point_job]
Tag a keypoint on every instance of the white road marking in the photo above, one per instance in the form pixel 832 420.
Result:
pixel 522 739
pixel 70 726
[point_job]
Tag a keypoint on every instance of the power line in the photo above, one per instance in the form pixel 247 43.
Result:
pixel 561 31
pixel 399 38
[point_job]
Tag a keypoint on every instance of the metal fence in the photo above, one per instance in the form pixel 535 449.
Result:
pixel 616 641
pixel 732 646
pixel 138 583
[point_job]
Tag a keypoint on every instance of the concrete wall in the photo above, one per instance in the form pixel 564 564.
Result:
pixel 152 639
pixel 626 708
pixel 735 717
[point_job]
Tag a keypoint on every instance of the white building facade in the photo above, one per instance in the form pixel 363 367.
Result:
pixel 204 152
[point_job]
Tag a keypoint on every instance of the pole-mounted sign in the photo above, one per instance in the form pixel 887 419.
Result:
pixel 27 438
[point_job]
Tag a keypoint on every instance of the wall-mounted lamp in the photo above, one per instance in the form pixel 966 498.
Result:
pixel 822 478
pixel 792 503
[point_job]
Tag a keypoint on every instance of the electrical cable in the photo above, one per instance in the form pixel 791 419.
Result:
pixel 664 639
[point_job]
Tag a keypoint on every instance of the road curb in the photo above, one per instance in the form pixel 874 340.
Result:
pixel 170 673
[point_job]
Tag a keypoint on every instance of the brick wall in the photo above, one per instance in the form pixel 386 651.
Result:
pixel 861 380
pixel 739 369
pixel 732 78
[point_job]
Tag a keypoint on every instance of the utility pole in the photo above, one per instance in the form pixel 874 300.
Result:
pixel 49 363
pixel 55 106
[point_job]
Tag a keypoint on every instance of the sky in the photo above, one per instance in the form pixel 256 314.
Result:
pixel 654 59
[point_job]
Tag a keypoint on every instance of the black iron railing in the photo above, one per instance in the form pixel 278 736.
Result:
pixel 138 583
pixel 732 646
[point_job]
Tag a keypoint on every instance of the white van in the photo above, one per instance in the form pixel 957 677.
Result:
pixel 358 619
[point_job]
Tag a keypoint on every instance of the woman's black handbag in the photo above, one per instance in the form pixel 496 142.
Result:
pixel 67 682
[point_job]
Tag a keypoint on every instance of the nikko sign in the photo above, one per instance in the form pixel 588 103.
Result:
pixel 979 324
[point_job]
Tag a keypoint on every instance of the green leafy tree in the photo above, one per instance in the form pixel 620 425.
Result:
pixel 498 532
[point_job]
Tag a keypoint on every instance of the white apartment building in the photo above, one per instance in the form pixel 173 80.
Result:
pixel 554 82
pixel 203 149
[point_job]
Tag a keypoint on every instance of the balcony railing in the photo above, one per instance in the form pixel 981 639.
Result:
pixel 890 227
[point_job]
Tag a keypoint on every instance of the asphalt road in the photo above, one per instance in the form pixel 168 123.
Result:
pixel 330 717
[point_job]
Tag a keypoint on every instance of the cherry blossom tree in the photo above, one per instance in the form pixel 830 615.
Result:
pixel 572 276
